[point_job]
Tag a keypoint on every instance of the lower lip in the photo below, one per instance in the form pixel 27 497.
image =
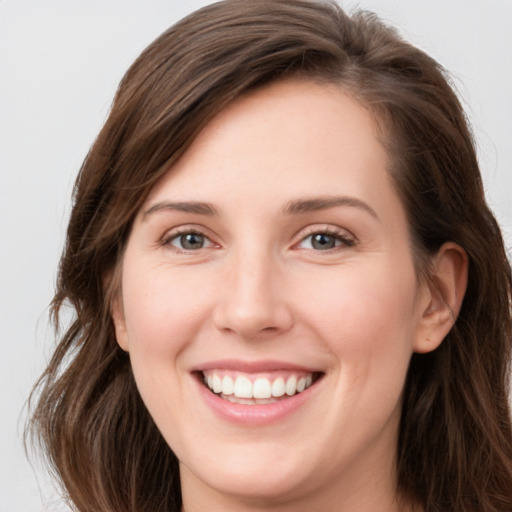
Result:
pixel 255 414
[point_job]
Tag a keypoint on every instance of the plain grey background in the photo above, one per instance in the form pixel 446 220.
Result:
pixel 60 62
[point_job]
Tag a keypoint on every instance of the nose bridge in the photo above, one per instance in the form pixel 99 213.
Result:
pixel 252 300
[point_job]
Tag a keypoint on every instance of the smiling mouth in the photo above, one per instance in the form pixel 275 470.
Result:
pixel 257 389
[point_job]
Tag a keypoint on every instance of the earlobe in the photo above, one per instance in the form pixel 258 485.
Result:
pixel 446 289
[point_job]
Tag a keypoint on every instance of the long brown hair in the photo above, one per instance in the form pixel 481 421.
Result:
pixel 455 440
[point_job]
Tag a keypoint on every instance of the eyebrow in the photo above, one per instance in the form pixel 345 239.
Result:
pixel 182 206
pixel 294 207
pixel 323 203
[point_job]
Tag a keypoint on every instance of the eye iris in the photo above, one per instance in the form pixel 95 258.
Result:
pixel 322 241
pixel 192 241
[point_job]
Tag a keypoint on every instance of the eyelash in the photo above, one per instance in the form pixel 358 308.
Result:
pixel 168 239
pixel 338 235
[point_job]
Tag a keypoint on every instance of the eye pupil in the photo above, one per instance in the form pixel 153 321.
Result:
pixel 322 241
pixel 192 241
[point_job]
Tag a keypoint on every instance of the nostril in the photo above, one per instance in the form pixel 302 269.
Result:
pixel 252 323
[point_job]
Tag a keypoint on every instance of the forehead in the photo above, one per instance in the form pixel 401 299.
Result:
pixel 286 131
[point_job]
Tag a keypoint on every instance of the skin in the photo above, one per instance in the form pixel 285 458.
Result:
pixel 256 288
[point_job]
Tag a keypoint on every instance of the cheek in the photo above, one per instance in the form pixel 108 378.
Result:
pixel 162 315
pixel 367 318
pixel 365 301
pixel 163 309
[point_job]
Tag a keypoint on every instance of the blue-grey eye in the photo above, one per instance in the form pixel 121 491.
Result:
pixel 189 241
pixel 323 241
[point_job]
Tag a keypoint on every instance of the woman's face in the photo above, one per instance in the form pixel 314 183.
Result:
pixel 273 262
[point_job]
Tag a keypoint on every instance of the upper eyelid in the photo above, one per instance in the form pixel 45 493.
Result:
pixel 186 228
pixel 324 228
pixel 173 233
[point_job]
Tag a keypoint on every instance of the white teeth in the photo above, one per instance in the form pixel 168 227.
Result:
pixel 228 386
pixel 217 385
pixel 262 388
pixel 243 387
pixel 278 387
pixel 291 386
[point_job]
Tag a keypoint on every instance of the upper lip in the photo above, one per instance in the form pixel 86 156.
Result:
pixel 253 366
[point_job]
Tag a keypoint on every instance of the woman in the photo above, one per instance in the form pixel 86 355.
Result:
pixel 289 291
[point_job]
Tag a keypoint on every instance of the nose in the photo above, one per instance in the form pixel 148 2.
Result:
pixel 252 302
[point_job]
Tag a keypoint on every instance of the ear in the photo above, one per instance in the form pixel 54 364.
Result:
pixel 112 286
pixel 442 300
pixel 118 317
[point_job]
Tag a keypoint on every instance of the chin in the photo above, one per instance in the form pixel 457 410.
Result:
pixel 257 483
